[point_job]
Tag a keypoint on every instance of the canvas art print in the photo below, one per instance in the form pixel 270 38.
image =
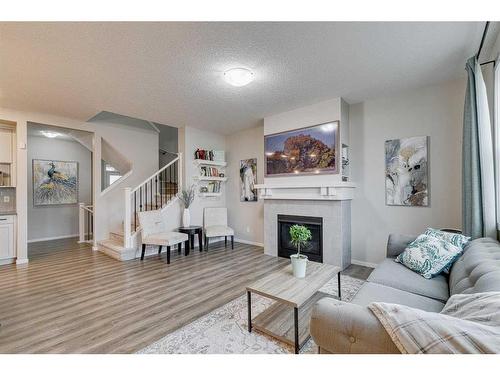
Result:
pixel 55 182
pixel 406 172
pixel 248 179
pixel 307 150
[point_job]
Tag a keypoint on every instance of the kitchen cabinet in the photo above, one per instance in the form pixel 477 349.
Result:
pixel 5 146
pixel 7 250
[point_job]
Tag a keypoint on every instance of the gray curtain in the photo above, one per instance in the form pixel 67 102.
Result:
pixel 478 182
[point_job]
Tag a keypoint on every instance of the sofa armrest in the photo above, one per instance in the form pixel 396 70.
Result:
pixel 341 327
pixel 397 243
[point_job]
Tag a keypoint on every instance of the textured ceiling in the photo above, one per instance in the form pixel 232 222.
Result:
pixel 171 73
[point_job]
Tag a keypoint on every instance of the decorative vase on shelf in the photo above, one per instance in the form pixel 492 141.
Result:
pixel 186 218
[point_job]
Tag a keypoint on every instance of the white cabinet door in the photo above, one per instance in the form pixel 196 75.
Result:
pixel 6 240
pixel 5 146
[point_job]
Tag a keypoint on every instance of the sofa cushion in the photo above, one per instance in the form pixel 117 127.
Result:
pixel 478 269
pixel 395 275
pixel 373 292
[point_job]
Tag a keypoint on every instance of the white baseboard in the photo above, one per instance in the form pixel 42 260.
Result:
pixel 248 242
pixel 362 263
pixel 53 238
pixel 22 261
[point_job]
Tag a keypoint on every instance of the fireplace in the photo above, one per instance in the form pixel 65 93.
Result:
pixel 314 249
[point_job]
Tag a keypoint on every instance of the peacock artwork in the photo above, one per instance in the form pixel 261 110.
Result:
pixel 55 182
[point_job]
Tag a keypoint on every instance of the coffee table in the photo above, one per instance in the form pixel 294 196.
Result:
pixel 287 319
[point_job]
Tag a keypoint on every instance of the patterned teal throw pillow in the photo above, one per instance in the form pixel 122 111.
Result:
pixel 428 255
pixel 455 238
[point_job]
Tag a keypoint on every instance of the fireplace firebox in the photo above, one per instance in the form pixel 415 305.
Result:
pixel 314 249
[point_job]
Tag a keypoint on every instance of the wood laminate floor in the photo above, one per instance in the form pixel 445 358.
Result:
pixel 69 299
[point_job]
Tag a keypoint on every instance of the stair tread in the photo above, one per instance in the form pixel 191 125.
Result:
pixel 113 244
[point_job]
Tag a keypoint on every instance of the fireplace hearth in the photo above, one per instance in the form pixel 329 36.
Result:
pixel 314 249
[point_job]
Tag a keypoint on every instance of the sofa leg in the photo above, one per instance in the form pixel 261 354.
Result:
pixel 168 254
pixel 225 241
pixel 159 249
pixel 206 243
pixel 179 247
pixel 143 251
pixel 232 242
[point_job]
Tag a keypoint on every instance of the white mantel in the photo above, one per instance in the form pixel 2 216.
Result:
pixel 312 191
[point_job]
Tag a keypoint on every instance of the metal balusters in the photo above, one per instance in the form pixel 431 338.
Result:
pixel 135 210
pixel 156 192
pixel 140 199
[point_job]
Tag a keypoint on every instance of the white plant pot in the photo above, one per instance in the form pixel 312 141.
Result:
pixel 186 218
pixel 299 265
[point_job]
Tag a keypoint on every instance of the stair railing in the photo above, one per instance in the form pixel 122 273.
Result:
pixel 153 193
pixel 85 223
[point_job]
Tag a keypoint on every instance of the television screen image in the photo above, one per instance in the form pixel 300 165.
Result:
pixel 310 150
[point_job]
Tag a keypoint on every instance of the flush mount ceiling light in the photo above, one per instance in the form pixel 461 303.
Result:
pixel 238 76
pixel 49 134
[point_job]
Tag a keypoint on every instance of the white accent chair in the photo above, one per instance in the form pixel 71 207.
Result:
pixel 155 232
pixel 215 225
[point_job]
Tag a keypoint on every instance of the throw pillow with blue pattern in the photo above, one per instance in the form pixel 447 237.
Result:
pixel 428 256
pixel 456 239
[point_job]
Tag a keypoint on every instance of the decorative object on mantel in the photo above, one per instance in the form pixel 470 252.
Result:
pixel 248 180
pixel 345 162
pixel 187 197
pixel 299 235
pixel 406 172
pixel 310 150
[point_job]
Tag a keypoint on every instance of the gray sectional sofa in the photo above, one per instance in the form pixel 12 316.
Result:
pixel 342 327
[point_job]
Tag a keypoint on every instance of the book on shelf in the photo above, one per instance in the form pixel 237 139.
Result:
pixel 209 171
pixel 213 187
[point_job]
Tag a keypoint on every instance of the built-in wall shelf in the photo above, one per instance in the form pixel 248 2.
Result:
pixel 206 178
pixel 206 195
pixel 210 162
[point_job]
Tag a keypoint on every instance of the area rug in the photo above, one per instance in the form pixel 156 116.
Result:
pixel 225 329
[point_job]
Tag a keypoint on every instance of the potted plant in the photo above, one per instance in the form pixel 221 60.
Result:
pixel 300 236
pixel 187 197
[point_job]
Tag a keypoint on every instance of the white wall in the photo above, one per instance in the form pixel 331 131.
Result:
pixel 246 218
pixel 140 147
pixel 434 111
pixel 57 221
pixel 193 139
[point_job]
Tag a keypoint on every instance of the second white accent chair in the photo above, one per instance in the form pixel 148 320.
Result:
pixel 155 232
pixel 215 225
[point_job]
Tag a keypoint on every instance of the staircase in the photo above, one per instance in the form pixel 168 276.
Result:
pixel 157 192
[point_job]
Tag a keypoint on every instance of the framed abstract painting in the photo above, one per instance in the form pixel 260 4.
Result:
pixel 55 182
pixel 248 180
pixel 407 172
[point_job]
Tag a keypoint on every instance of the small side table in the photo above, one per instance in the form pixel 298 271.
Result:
pixel 191 231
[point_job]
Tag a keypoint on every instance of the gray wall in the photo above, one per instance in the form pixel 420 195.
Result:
pixel 435 111
pixel 57 221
